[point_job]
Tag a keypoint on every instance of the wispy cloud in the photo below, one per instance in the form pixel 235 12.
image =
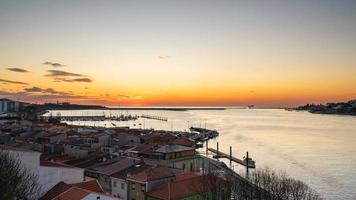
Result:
pixel 164 56
pixel 12 82
pixel 45 91
pixel 127 97
pixel 53 64
pixel 35 94
pixel 63 76
pixel 84 80
pixel 15 69
pixel 55 73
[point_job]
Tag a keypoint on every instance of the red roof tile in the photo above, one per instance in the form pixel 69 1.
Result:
pixel 56 190
pixel 187 175
pixel 45 163
pixel 116 166
pixel 73 194
pixel 180 189
pixel 89 185
pixel 61 188
pixel 152 173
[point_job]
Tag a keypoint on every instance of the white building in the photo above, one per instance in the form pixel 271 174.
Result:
pixel 49 173
pixel 8 106
pixel 119 188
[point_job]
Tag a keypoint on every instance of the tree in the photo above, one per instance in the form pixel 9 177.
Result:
pixel 15 181
pixel 213 187
pixel 268 184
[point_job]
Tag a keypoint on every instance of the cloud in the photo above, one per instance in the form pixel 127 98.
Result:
pixel 36 94
pixel 84 80
pixel 45 91
pixel 53 64
pixel 127 97
pixel 15 69
pixel 164 57
pixel 12 82
pixel 63 76
pixel 54 73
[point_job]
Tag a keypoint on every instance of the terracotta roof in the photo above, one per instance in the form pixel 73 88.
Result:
pixel 89 185
pixel 132 170
pixel 56 190
pixel 62 188
pixel 173 148
pixel 45 163
pixel 152 173
pixel 180 189
pixel 116 166
pixel 187 175
pixel 183 141
pixel 73 194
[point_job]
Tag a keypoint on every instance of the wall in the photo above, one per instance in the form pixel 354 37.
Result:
pixel 118 190
pixel 74 151
pixel 136 193
pixel 50 176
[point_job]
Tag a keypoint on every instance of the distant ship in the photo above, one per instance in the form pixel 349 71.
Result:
pixel 250 106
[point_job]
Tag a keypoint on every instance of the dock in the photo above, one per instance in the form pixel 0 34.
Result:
pixel 91 118
pixel 159 118
pixel 219 154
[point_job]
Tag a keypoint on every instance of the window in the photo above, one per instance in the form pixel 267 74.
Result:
pixel 122 185
pixel 183 166
pixel 133 186
pixel 114 183
pixel 143 188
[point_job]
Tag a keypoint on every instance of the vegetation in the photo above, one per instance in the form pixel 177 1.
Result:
pixel 15 181
pixel 342 108
pixel 270 185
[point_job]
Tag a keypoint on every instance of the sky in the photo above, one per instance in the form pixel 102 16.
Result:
pixel 178 53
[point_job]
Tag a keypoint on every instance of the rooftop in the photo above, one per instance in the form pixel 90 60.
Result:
pixel 151 173
pixel 115 166
pixel 60 188
pixel 186 186
pixel 173 148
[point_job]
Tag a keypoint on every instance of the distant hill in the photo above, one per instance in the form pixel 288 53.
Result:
pixel 342 108
pixel 68 106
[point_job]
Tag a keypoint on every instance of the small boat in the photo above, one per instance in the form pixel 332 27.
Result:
pixel 199 144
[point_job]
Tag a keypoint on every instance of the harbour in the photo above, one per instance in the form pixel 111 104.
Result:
pixel 275 138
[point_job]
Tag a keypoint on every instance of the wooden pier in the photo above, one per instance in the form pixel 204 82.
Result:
pixel 91 118
pixel 219 154
pixel 155 117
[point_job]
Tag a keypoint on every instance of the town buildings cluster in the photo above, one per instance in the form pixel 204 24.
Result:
pixel 78 162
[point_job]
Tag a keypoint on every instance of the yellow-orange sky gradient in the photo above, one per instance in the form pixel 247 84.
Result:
pixel 178 53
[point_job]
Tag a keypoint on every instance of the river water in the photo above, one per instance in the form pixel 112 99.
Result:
pixel 317 149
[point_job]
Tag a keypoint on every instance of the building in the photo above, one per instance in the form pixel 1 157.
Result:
pixel 120 183
pixel 191 186
pixel 103 171
pixel 9 106
pixel 90 190
pixel 48 173
pixel 4 137
pixel 146 180
pixel 170 155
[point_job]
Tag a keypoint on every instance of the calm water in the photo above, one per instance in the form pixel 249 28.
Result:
pixel 318 149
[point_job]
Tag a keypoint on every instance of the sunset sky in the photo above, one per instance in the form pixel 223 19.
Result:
pixel 178 53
